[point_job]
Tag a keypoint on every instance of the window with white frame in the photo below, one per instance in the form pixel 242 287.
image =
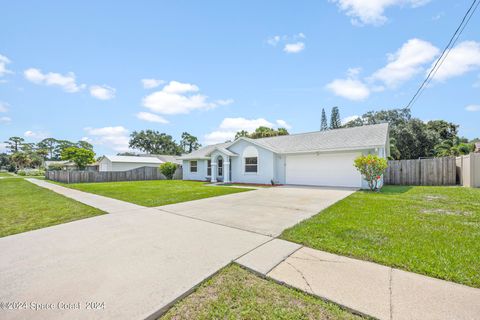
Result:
pixel 193 166
pixel 250 160
pixel 251 164
pixel 209 168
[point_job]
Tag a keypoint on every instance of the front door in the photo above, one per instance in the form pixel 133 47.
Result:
pixel 220 167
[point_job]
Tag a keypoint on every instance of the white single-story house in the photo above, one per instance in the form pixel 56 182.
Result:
pixel 125 163
pixel 320 158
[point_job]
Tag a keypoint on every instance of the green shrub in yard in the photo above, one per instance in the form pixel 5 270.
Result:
pixel 21 173
pixel 168 169
pixel 372 168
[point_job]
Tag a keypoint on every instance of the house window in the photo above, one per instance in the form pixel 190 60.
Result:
pixel 209 168
pixel 193 166
pixel 220 167
pixel 251 164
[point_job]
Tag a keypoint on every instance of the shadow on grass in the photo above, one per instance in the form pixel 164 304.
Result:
pixel 395 189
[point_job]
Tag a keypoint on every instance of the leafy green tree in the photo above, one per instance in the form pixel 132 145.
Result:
pixel 453 147
pixel 168 169
pixel 335 121
pixel 20 159
pixel 189 142
pixel 27 147
pixel 14 144
pixel 324 123
pixel 85 145
pixel 372 168
pixel 242 133
pixel 81 157
pixel 49 144
pixel 154 142
pixel 282 132
pixel 4 160
pixel 445 130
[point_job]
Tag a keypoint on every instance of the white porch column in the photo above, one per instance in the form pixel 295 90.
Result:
pixel 226 170
pixel 214 171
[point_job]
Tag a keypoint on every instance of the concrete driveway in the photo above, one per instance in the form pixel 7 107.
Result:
pixel 135 261
pixel 266 211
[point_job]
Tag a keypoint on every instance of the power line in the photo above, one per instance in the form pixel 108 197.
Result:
pixel 466 18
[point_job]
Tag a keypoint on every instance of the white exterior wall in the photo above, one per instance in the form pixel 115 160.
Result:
pixel 201 173
pixel 266 165
pixel 104 165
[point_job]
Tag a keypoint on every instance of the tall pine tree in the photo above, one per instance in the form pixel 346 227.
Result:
pixel 335 122
pixel 324 125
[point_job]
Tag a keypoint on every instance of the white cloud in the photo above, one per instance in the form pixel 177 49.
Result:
pixel 103 92
pixel 3 65
pixel 3 107
pixel 115 138
pixel 67 82
pixel 351 89
pixel 152 83
pixel 350 118
pixel 372 11
pixel 230 126
pixel 294 47
pixel 150 117
pixel 5 119
pixel 408 61
pixel 273 41
pixel 224 102
pixel 179 98
pixel 237 124
pixel 473 107
pixel 291 43
pixel 35 134
pixel 462 58
pixel 283 124
pixel 218 137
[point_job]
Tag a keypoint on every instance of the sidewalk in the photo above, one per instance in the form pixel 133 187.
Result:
pixel 362 286
pixel 100 202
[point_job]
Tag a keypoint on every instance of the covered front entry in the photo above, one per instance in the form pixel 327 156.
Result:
pixel 220 168
pixel 332 169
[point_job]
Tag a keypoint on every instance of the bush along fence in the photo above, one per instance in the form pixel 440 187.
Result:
pixel 424 172
pixel 143 173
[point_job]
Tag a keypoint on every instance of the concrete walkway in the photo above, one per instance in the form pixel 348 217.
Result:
pixel 100 202
pixel 365 287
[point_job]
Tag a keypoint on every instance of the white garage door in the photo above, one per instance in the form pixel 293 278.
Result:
pixel 323 170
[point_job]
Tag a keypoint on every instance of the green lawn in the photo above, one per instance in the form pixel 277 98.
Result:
pixel 5 175
pixel 25 206
pixel 235 293
pixel 429 230
pixel 155 193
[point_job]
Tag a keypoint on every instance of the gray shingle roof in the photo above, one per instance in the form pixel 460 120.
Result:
pixel 337 139
pixel 330 140
pixel 205 151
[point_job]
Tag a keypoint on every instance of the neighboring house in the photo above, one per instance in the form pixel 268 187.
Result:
pixel 124 163
pixel 65 164
pixel 321 158
pixel 477 147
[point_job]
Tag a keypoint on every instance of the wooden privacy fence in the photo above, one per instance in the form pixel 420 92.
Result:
pixel 143 173
pixel 468 170
pixel 424 172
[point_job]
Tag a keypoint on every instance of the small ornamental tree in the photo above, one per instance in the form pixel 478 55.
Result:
pixel 168 169
pixel 81 157
pixel 372 168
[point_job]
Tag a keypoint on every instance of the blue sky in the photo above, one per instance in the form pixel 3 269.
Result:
pixel 74 70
